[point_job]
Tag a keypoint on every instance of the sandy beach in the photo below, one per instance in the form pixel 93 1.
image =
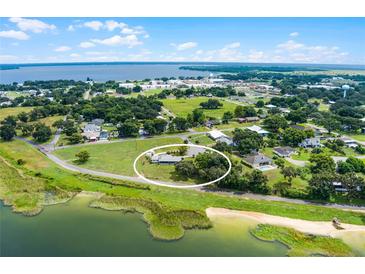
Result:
pixel 312 227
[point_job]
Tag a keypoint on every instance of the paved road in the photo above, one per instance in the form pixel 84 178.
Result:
pixel 74 168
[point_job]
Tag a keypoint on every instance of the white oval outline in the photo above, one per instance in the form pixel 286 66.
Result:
pixel 182 186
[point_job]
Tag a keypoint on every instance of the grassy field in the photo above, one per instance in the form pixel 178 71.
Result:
pixel 37 165
pixel 144 93
pixel 182 107
pixel 114 157
pixel 304 154
pixel 4 112
pixel 301 244
pixel 164 173
pixel 358 137
pixel 201 139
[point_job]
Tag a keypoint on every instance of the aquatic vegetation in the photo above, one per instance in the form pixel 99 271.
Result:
pixel 301 244
pixel 164 223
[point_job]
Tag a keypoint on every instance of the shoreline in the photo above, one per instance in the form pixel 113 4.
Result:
pixel 309 227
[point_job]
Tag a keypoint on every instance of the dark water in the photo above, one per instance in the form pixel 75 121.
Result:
pixel 99 72
pixel 73 229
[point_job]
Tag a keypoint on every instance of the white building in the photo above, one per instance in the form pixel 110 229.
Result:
pixel 258 130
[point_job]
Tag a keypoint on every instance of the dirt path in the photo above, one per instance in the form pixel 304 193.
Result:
pixel 312 227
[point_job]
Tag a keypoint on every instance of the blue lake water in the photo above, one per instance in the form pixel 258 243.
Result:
pixel 96 72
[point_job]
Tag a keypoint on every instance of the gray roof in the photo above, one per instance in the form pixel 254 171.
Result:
pixel 91 127
pixel 166 158
pixel 258 158
pixel 284 150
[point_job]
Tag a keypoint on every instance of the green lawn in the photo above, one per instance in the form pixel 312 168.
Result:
pixel 164 173
pixel 172 199
pixel 201 139
pixel 304 154
pixel 115 157
pixel 182 107
pixel 358 137
pixel 4 112
pixel 144 93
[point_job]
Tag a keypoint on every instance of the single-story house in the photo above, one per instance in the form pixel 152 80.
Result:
pixel 259 161
pixel 211 123
pixel 298 127
pixel 97 122
pixel 165 158
pixel 258 130
pixel 349 142
pixel 248 119
pixel 91 132
pixel 215 134
pixel 270 106
pixel 225 139
pixel 311 143
pixel 284 151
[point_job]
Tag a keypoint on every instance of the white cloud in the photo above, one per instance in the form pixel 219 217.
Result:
pixel 95 25
pixel 111 25
pixel 8 58
pixel 62 49
pixel 292 51
pixel 255 56
pixel 71 28
pixel 233 45
pixel 117 40
pixel 75 55
pixel 290 45
pixel 14 34
pixel 32 25
pixel 185 46
pixel 86 45
pixel 294 34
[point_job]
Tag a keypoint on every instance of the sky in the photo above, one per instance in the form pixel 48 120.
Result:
pixel 257 40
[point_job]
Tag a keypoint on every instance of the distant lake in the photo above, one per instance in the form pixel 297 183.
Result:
pixel 97 72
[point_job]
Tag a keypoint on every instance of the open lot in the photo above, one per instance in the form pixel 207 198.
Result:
pixel 114 157
pixel 182 107
pixel 4 112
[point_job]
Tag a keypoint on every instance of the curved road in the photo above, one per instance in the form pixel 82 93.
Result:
pixel 47 150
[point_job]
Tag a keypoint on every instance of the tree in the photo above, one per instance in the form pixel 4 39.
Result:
pixel 198 116
pixel 137 89
pixel 75 138
pixel 7 132
pixel 82 156
pixel 129 128
pixel 322 163
pixel 180 124
pixel 58 124
pixel 245 111
pixel 321 186
pixel 275 122
pixel 41 133
pixel 186 169
pixel 297 116
pixel 26 129
pixel 355 185
pixel 257 182
pixel 227 116
pixel 260 104
pixel 356 164
pixel 247 141
pixel 289 173
pixel 23 117
pixel 293 137
pixel 281 188
pixel 331 124
pixel 280 162
pixel 9 120
pixel 344 167
pixel 211 104
pixel 221 146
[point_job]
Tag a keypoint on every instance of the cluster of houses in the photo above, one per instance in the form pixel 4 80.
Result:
pixel 93 131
